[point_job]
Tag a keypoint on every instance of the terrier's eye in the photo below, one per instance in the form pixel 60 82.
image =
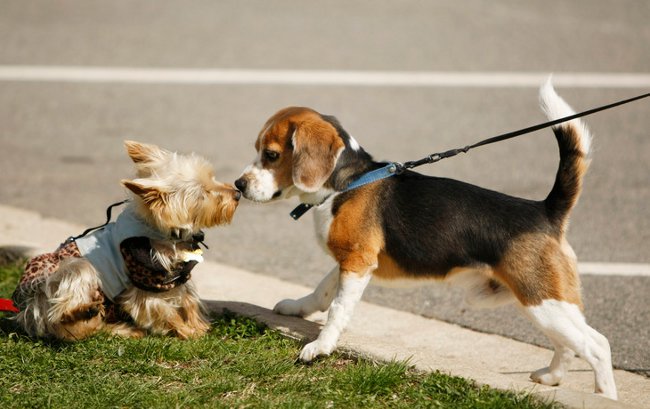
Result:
pixel 271 156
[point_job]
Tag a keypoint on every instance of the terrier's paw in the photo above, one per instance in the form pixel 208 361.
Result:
pixel 314 349
pixel 289 307
pixel 546 377
pixel 83 313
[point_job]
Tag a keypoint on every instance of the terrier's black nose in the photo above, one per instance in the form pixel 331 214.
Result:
pixel 241 184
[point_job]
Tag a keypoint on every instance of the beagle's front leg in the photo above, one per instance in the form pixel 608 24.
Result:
pixel 350 289
pixel 319 300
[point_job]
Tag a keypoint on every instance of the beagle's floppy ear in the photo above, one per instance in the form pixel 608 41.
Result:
pixel 316 147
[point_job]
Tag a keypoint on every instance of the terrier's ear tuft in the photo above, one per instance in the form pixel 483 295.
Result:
pixel 150 194
pixel 143 152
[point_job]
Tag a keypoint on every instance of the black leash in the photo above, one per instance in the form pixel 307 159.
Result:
pixel 395 168
pixel 197 238
pixel 435 157
pixel 109 210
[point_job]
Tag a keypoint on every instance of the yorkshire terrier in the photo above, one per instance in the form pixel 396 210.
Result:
pixel 132 277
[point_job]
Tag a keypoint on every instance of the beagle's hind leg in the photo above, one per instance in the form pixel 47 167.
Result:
pixel 553 374
pixel 564 324
pixel 542 273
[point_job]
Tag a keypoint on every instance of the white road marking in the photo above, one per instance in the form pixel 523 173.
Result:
pixel 345 78
pixel 614 269
pixel 318 77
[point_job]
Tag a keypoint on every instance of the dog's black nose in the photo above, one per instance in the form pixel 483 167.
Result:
pixel 241 184
pixel 237 195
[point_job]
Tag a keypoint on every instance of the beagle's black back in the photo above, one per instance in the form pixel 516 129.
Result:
pixel 433 224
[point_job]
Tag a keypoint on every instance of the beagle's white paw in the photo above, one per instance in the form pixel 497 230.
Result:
pixel 314 349
pixel 289 307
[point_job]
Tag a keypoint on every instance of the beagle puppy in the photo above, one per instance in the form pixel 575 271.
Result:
pixel 501 248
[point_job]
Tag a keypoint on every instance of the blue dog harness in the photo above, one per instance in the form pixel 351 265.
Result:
pixel 387 171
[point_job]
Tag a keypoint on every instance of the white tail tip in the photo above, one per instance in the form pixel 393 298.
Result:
pixel 555 108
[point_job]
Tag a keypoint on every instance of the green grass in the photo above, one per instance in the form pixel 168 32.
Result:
pixel 240 363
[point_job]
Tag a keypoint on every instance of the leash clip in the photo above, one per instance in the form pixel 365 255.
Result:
pixel 199 238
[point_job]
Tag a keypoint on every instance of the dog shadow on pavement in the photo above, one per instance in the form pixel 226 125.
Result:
pixel 294 327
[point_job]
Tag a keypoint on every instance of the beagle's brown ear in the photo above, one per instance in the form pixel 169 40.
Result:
pixel 316 147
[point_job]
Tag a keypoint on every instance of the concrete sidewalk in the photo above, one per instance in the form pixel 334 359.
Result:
pixel 377 332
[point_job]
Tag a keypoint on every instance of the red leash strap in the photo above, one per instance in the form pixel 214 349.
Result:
pixel 7 305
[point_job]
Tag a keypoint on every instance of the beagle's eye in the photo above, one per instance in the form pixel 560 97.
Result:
pixel 271 156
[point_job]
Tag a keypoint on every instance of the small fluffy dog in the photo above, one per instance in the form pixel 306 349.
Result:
pixel 131 277
pixel 411 226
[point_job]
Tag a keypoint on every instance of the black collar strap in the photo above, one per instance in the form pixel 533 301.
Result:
pixel 395 168
pixel 197 238
pixel 301 209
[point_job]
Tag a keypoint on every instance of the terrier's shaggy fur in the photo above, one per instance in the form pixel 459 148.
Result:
pixel 131 277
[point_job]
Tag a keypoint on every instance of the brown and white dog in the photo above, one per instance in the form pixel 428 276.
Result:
pixel 501 248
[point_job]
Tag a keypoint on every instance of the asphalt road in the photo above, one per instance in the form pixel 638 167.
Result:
pixel 61 151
